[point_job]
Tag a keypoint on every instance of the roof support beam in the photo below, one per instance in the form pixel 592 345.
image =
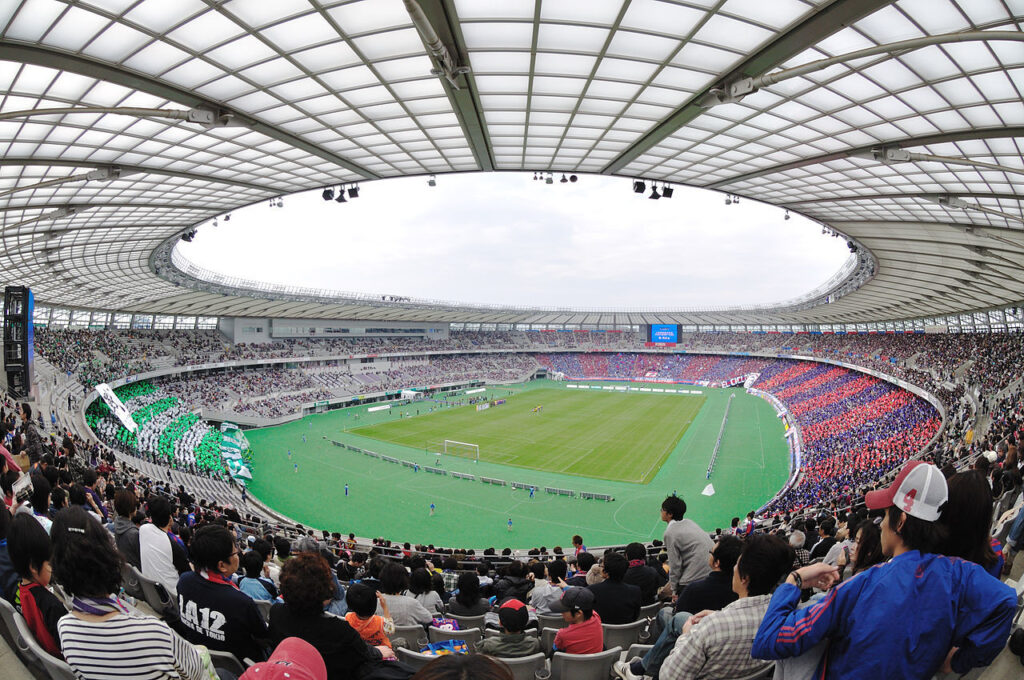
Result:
pixel 808 33
pixel 923 140
pixel 41 56
pixel 444 22
pixel 133 169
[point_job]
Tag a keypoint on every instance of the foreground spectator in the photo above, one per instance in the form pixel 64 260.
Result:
pixel 640 574
pixel 8 574
pixel 405 610
pixel 717 644
pixel 362 603
pixel 967 518
pixel 723 648
pixel 306 588
pixel 614 601
pixel 126 533
pixel 464 667
pixel 29 546
pixel 546 597
pixel 866 553
pixel 101 637
pixel 254 583
pixel 467 600
pixel 687 544
pixel 163 557
pixel 294 657
pixel 916 615
pixel 213 610
pixel 513 641
pixel 584 634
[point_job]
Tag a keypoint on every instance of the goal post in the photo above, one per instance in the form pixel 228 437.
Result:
pixel 462 449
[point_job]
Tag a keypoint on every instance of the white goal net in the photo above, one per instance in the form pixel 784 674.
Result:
pixel 463 449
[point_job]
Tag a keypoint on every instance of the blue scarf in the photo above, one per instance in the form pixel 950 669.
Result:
pixel 98 606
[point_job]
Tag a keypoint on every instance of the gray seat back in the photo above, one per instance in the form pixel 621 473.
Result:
pixel 471 636
pixel 584 666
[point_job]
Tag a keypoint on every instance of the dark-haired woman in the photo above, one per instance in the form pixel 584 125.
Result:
pixel 306 588
pixel 101 638
pixel 405 610
pixel 866 553
pixel 968 519
pixel 421 589
pixel 467 600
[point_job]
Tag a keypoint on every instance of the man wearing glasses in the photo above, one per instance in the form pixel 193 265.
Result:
pixel 214 612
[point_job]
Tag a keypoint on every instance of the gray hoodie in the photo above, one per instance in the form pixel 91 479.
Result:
pixel 126 535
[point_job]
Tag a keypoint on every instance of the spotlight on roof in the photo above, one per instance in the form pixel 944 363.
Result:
pixel 328 194
pixel 573 178
pixel 432 182
pixel 564 179
pixel 341 195
pixel 654 193
pixel 639 187
pixel 550 179
pixel 666 191
pixel 728 199
pixel 188 236
pixel 535 177
pixel 786 217
pixel 227 218
pixel 353 191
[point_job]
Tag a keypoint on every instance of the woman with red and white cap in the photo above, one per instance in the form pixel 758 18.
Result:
pixel 916 615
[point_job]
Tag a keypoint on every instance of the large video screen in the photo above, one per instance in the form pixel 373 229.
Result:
pixel 664 332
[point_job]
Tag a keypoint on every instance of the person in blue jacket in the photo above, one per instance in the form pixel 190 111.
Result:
pixel 914 616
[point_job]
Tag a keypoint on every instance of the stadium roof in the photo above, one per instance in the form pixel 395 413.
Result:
pixel 125 123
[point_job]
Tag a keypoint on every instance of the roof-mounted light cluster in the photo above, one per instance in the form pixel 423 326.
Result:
pixel 328 193
pixel 639 187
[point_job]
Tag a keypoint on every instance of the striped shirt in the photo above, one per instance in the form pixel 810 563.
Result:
pixel 127 646
pixel 719 645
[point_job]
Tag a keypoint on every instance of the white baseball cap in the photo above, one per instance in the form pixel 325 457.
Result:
pixel 919 490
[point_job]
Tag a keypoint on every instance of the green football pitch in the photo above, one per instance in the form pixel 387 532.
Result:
pixel 634 446
pixel 617 436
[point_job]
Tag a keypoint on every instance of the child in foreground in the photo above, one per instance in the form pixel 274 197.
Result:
pixel 512 642
pixel 362 605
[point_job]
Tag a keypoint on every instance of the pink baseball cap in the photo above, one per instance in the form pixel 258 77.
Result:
pixel 919 490
pixel 294 659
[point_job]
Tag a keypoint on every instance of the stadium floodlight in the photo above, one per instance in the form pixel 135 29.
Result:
pixel 432 182
pixel 639 187
pixel 535 177
pixel 227 218
pixel 341 195
pixel 786 216
pixel 728 199
pixel 550 179
pixel 564 179
pixel 328 194
pixel 666 191
pixel 573 178
pixel 654 193
pixel 353 191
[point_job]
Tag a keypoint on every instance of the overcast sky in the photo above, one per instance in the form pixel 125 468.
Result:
pixel 504 238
